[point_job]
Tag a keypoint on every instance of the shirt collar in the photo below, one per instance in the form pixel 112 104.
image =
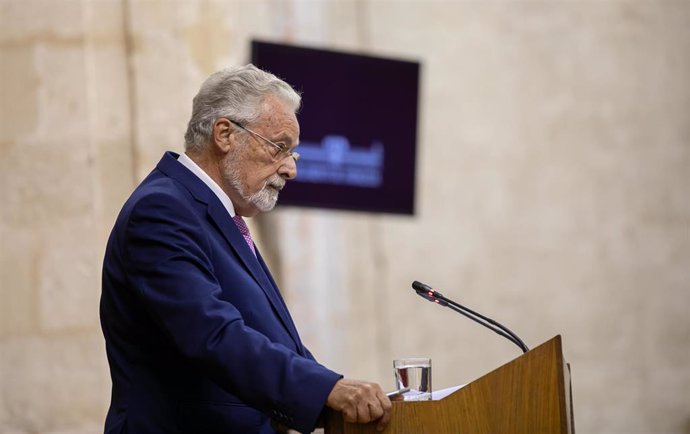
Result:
pixel 203 176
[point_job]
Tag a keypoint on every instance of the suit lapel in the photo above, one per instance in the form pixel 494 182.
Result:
pixel 232 234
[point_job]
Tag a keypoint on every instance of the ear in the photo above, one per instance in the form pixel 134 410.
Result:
pixel 222 132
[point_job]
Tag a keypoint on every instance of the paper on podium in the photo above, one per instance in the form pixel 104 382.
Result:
pixel 440 394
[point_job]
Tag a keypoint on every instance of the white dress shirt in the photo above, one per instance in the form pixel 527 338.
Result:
pixel 203 176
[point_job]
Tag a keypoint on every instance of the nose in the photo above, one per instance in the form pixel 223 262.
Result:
pixel 288 168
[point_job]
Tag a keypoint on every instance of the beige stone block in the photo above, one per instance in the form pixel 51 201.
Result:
pixel 40 191
pixel 19 83
pixel 19 260
pixel 63 102
pixel 26 21
pixel 82 428
pixel 107 95
pixel 208 33
pixel 53 383
pixel 103 22
pixel 116 181
pixel 46 71
pixel 69 276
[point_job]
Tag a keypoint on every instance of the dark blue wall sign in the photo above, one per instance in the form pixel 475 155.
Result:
pixel 358 127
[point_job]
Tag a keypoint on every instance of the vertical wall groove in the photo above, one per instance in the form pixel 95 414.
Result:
pixel 128 42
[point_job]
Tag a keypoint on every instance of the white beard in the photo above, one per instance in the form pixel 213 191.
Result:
pixel 264 199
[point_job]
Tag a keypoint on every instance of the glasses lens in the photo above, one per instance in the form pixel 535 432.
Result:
pixel 282 153
pixel 277 151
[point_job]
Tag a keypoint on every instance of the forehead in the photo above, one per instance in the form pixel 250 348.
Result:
pixel 276 115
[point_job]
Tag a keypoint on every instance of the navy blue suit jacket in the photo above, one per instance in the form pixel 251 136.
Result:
pixel 198 337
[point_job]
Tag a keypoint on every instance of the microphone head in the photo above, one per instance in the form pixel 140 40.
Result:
pixel 428 293
pixel 419 286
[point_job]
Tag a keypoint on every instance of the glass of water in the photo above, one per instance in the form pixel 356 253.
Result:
pixel 415 374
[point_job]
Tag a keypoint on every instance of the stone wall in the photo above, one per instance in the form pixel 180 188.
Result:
pixel 554 149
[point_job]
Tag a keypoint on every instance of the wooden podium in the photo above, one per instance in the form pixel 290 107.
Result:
pixel 529 395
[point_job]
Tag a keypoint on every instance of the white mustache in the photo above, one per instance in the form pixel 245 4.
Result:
pixel 278 183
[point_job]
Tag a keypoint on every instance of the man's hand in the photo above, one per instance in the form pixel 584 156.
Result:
pixel 360 402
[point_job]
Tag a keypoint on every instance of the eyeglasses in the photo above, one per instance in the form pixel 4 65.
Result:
pixel 282 152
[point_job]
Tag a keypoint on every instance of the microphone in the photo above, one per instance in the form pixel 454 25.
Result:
pixel 430 294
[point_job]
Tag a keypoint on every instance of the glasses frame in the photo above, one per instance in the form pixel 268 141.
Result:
pixel 281 149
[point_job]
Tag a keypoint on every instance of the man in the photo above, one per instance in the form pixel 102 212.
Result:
pixel 198 337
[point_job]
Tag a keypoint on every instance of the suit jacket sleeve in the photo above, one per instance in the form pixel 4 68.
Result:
pixel 166 253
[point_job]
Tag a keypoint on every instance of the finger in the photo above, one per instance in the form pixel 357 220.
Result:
pixel 350 414
pixel 363 412
pixel 387 408
pixel 384 401
pixel 375 410
pixel 384 420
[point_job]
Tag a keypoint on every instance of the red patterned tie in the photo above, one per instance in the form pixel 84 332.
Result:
pixel 244 230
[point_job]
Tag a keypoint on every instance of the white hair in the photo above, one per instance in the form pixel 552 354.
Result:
pixel 236 94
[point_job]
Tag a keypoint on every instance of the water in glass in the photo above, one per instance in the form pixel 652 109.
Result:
pixel 416 376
